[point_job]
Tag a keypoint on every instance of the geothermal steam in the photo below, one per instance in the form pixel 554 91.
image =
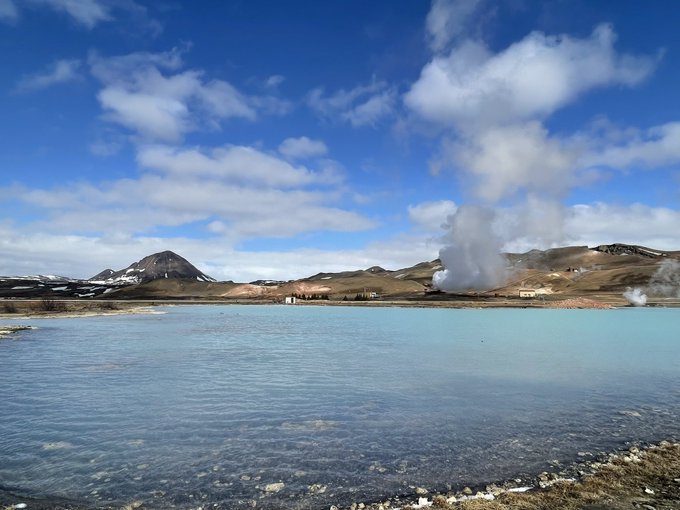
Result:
pixel 665 282
pixel 472 256
pixel 666 279
pixel 635 296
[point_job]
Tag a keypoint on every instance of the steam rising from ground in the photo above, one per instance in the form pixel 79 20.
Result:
pixel 494 106
pixel 635 296
pixel 665 282
pixel 472 256
pixel 477 235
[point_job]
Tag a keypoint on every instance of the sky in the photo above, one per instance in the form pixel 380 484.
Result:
pixel 274 140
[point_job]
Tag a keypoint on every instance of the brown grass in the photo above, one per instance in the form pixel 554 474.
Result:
pixel 650 477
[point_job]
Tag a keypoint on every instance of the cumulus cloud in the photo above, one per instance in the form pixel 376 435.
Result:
pixel 655 147
pixel 8 11
pixel 364 105
pixel 447 20
pixel 89 13
pixel 528 80
pixel 241 192
pixel 61 71
pixel 431 216
pixel 239 164
pixel 86 12
pixel 302 148
pixel 149 94
pixel 602 223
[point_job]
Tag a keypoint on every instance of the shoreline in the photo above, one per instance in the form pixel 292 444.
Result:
pixel 84 309
pixel 26 309
pixel 642 475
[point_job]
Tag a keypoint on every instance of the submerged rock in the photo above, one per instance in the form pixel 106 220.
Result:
pixel 274 487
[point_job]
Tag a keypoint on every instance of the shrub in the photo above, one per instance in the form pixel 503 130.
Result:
pixel 9 307
pixel 49 304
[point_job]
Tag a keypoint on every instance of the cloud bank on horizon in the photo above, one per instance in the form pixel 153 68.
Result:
pixel 270 141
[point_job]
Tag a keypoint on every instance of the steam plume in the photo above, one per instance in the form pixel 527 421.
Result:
pixel 472 256
pixel 666 279
pixel 635 296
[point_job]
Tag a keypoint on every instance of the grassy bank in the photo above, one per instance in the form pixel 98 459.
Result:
pixel 647 479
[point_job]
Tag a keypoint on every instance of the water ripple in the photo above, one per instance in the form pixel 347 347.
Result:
pixel 211 404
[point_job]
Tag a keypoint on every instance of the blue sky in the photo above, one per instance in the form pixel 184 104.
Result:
pixel 267 139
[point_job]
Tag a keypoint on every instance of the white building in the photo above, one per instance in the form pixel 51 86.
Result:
pixel 291 300
pixel 527 293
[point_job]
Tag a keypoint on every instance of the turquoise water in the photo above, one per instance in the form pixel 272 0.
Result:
pixel 206 405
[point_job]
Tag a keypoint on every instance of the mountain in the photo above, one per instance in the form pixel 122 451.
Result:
pixel 163 265
pixel 601 273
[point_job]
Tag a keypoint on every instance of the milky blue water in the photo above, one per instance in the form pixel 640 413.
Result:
pixel 207 405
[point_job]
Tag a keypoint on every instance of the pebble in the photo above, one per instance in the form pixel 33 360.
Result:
pixel 648 490
pixel 467 491
pixel 421 491
pixel 274 487
pixel 422 502
pixel 317 488
pixel 20 505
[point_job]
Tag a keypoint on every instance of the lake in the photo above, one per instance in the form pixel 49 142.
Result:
pixel 207 405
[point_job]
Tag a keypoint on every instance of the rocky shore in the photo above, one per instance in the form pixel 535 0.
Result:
pixel 645 478
pixel 642 477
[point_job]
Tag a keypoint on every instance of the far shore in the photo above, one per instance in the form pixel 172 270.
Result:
pixel 22 309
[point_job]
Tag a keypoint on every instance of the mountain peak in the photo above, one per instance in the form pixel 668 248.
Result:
pixel 164 264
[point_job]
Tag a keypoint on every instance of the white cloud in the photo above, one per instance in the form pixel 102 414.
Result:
pixel 528 80
pixel 371 111
pixel 8 11
pixel 85 12
pixel 237 164
pixel 245 192
pixel 361 106
pixel 90 13
pixel 431 216
pixel 302 148
pixel 447 20
pixel 656 147
pixel 147 93
pixel 274 81
pixel 61 71
pixel 133 206
pixel 601 223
